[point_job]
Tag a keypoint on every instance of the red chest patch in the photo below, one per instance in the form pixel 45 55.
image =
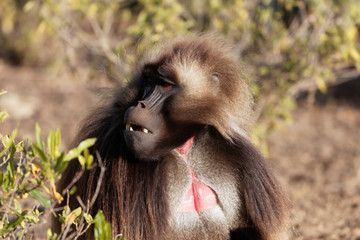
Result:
pixel 200 196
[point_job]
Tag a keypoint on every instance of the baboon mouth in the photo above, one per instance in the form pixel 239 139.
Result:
pixel 133 127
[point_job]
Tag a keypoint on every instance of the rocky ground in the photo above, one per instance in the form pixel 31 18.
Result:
pixel 317 158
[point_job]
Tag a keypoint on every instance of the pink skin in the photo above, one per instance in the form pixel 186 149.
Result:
pixel 200 196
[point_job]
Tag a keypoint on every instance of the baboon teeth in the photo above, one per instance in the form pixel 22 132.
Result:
pixel 134 127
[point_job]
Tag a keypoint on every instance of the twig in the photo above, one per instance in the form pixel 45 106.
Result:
pixel 81 202
pixel 80 231
pixel 75 179
pixel 67 229
pixel 309 85
pixel 80 226
pixel 5 161
pixel 103 41
pixel 102 172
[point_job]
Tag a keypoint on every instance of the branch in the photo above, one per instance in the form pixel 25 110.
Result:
pixel 309 85
pixel 102 172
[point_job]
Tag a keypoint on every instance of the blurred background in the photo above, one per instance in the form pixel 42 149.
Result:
pixel 58 59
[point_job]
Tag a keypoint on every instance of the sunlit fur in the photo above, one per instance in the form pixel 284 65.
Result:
pixel 226 105
pixel 140 198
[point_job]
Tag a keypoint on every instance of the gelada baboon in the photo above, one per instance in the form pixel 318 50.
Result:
pixel 179 163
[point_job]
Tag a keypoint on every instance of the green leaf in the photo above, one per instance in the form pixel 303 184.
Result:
pixel 15 223
pixel 75 152
pixel 102 229
pixel 50 235
pixel 88 218
pixel 20 146
pixel 17 206
pixel 45 163
pixel 88 158
pixel 3 115
pixel 321 84
pixel 53 143
pixel 9 177
pixel 40 143
pixel 61 164
pixel 8 142
pixel 13 136
pixel 31 219
pixel 87 143
pixel 89 162
pixel 39 151
pixel 28 6
pixel 73 190
pixel 82 161
pixel 64 213
pixel 37 194
pixel 71 218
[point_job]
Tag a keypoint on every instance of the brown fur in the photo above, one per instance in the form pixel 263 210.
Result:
pixel 139 198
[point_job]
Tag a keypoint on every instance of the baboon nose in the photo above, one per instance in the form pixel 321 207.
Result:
pixel 141 104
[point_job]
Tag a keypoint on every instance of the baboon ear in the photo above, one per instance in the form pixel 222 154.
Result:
pixel 215 77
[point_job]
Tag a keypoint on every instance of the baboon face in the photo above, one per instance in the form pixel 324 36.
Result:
pixel 183 89
pixel 150 129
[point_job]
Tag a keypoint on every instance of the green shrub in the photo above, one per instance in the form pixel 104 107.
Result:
pixel 31 170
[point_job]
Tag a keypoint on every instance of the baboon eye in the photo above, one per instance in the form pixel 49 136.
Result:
pixel 166 86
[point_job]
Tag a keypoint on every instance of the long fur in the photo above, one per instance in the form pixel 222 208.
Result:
pixel 131 198
pixel 134 193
